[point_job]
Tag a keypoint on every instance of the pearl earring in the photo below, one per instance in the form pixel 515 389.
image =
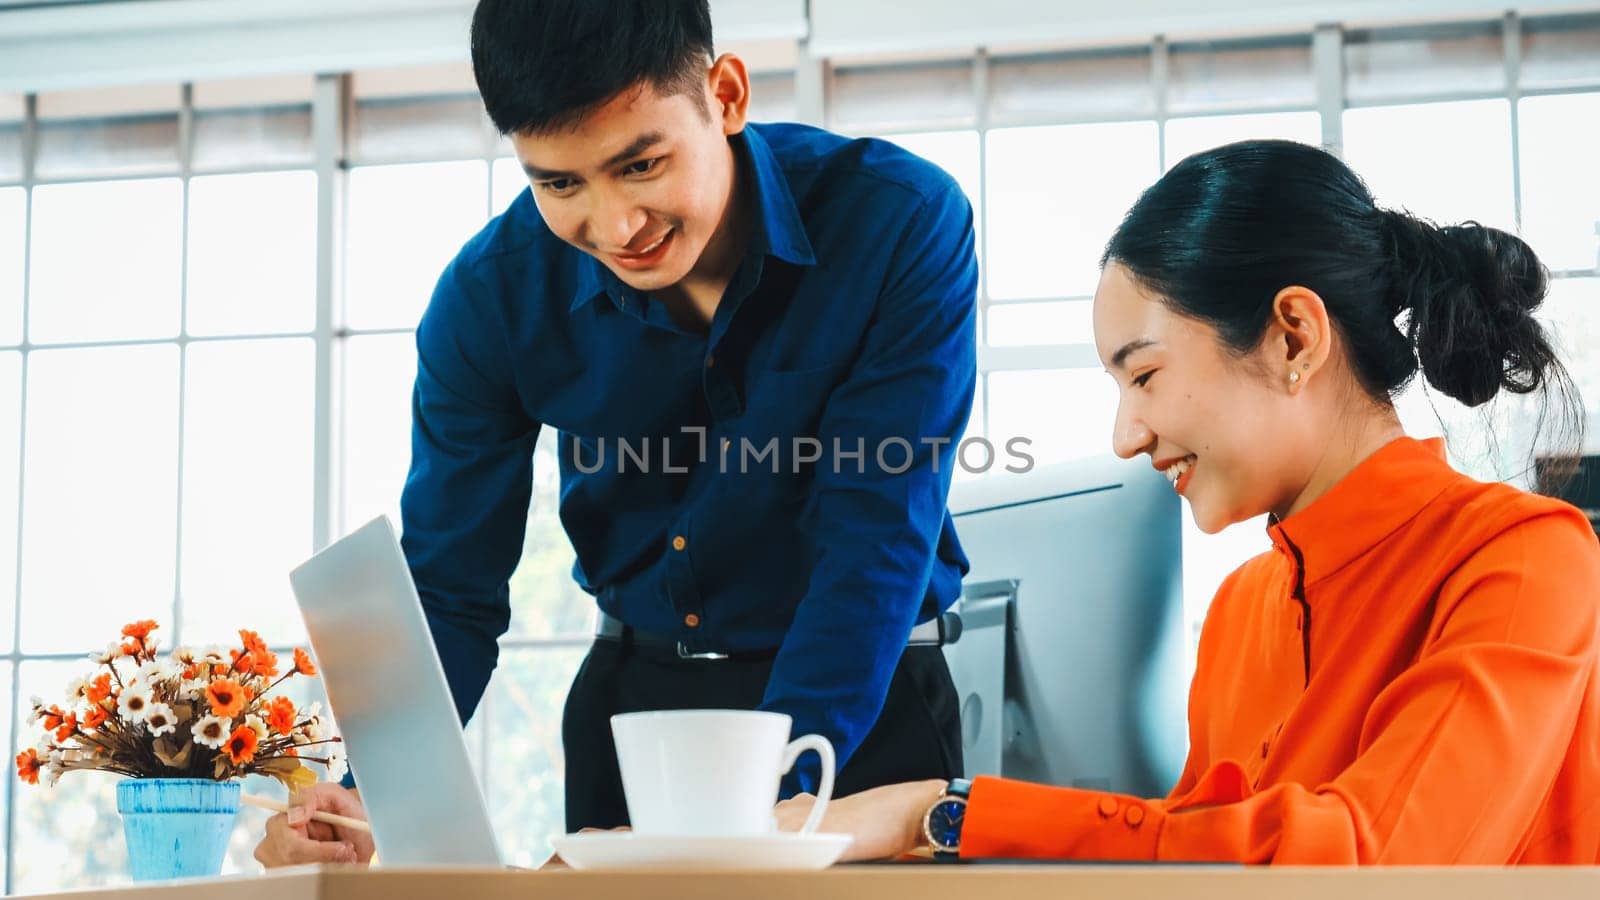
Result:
pixel 1294 377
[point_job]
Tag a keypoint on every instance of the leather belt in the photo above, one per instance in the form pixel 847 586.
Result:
pixel 936 632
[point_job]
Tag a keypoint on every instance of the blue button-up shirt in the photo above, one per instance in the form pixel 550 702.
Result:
pixel 694 510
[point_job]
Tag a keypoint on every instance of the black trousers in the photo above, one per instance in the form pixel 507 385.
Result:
pixel 917 736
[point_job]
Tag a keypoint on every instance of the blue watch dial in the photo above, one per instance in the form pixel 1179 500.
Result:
pixel 944 823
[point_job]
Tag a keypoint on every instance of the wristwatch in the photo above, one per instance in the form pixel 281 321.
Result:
pixel 941 825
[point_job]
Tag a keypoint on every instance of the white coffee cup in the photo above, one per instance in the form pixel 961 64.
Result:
pixel 711 772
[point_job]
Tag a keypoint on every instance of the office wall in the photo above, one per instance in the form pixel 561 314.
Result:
pixel 851 26
pixel 94 44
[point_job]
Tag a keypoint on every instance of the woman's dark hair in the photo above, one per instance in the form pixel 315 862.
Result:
pixel 1222 233
pixel 542 64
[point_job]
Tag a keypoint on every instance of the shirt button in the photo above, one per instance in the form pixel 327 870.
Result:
pixel 1108 807
pixel 1134 816
pixel 678 543
pixel 692 620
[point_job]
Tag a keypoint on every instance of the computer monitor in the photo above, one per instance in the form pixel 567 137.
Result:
pixel 1073 612
pixel 1575 481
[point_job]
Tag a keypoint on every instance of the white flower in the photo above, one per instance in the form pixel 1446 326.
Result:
pixel 256 725
pixel 212 731
pixel 184 655
pixel 35 710
pixel 134 702
pixel 45 747
pixel 76 688
pixel 192 689
pixel 159 719
pixel 57 764
pixel 156 670
pixel 112 652
pixel 318 730
pixel 337 763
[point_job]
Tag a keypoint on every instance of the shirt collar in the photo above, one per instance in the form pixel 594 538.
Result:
pixel 779 230
pixel 1381 494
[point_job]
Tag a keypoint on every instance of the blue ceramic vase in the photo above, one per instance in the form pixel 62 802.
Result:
pixel 176 827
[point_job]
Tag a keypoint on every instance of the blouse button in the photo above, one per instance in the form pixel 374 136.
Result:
pixel 1108 807
pixel 1134 816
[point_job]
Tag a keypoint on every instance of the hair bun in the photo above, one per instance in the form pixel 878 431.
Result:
pixel 1471 292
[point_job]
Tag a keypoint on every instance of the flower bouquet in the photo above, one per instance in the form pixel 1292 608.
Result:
pixel 186 729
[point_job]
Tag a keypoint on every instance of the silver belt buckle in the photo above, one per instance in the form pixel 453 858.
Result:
pixel 684 653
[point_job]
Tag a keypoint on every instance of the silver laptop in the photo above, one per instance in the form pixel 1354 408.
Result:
pixel 392 704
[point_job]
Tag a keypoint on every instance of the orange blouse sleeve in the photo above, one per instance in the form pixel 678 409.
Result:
pixel 1455 758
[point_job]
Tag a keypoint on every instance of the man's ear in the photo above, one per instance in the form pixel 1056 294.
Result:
pixel 729 90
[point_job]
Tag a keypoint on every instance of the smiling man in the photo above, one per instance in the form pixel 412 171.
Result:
pixel 757 345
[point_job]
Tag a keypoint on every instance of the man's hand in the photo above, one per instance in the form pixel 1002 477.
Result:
pixel 886 821
pixel 293 838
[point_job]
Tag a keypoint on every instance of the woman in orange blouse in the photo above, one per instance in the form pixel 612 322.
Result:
pixel 1410 674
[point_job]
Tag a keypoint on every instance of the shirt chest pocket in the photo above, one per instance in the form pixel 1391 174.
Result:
pixel 789 403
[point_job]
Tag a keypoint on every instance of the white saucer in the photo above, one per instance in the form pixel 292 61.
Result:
pixel 628 850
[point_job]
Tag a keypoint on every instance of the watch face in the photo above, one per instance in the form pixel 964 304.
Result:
pixel 944 823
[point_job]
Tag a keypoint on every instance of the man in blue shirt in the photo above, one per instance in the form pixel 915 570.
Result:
pixel 757 345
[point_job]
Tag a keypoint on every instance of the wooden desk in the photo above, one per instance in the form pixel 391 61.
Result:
pixel 887 882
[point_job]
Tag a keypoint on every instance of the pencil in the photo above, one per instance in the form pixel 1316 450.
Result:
pixel 327 817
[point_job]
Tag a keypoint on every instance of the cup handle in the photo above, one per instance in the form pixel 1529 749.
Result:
pixel 824 749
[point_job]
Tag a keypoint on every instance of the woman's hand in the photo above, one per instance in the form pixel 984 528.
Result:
pixel 294 838
pixel 886 822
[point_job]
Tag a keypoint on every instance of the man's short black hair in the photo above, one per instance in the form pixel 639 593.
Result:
pixel 542 64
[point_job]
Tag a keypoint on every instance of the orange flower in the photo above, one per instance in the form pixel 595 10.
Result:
pixel 69 724
pixel 258 662
pixel 303 663
pixel 94 718
pixel 280 715
pixel 140 630
pixel 241 745
pixel 132 647
pixel 252 641
pixel 28 765
pixel 99 689
pixel 266 662
pixel 51 718
pixel 227 697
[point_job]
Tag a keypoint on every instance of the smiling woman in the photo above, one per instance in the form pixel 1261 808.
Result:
pixel 1410 676
pixel 1277 250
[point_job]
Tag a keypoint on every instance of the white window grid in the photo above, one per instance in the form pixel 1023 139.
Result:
pixel 807 93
